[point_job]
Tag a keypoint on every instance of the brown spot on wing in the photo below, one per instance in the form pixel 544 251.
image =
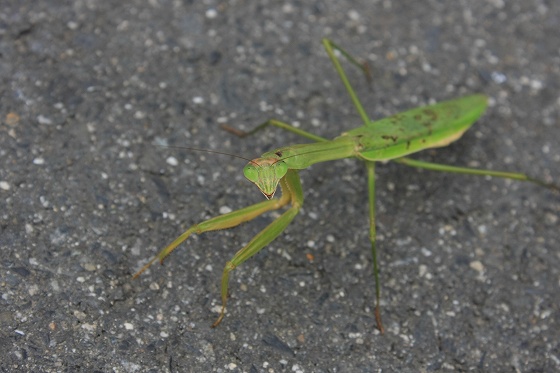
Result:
pixel 431 114
pixel 388 137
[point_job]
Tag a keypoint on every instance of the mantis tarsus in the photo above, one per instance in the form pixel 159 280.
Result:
pixel 391 138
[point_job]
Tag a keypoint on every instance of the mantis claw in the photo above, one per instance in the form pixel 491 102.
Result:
pixel 234 131
pixel 219 320
pixel 378 320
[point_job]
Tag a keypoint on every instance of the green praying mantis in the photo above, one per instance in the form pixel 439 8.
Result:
pixel 391 138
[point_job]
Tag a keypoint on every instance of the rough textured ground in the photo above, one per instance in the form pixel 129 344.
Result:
pixel 470 267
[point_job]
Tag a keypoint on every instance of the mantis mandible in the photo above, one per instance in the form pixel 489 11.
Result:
pixel 391 138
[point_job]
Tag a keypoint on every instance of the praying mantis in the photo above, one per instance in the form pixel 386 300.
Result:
pixel 391 138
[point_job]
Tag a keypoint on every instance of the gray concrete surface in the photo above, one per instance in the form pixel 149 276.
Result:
pixel 470 267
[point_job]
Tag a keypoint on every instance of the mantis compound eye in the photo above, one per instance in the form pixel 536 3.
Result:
pixel 251 173
pixel 280 169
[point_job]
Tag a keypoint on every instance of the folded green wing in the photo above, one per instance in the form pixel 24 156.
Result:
pixel 421 128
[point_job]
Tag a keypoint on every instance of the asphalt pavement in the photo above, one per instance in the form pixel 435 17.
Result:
pixel 95 98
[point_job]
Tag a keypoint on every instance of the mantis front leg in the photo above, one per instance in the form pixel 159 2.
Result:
pixel 225 221
pixel 291 188
pixel 291 193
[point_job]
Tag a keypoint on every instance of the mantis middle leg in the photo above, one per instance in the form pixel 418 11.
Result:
pixel 372 237
pixel 275 123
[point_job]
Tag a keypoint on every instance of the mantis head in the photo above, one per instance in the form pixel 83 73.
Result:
pixel 265 173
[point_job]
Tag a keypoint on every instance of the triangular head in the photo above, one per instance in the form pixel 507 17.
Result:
pixel 265 173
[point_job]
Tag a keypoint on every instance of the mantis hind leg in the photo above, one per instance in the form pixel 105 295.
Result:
pixel 330 47
pixel 475 171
